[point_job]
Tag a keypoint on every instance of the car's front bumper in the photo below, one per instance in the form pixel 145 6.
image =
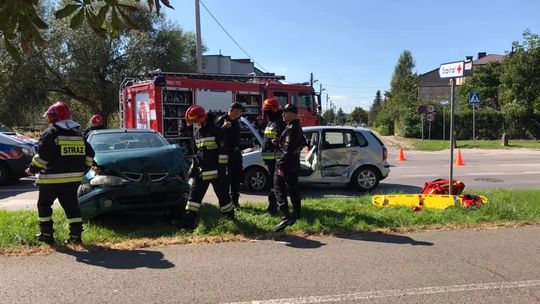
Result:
pixel 106 199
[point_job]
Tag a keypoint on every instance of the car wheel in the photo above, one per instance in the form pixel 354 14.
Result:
pixel 256 179
pixel 365 179
pixel 5 175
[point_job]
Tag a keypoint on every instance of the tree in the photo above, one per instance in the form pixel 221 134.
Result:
pixel 341 117
pixel 486 80
pixel 21 22
pixel 329 116
pixel 358 116
pixel 520 92
pixel 400 107
pixel 85 70
pixel 375 108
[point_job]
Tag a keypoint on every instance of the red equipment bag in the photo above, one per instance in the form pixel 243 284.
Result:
pixel 440 186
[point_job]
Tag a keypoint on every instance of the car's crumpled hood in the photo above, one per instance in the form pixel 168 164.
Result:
pixel 153 160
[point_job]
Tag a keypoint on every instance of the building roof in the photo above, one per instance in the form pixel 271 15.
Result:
pixel 489 58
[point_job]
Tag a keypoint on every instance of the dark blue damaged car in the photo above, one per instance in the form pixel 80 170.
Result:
pixel 133 169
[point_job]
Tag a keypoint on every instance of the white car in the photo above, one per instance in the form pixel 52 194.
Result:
pixel 334 155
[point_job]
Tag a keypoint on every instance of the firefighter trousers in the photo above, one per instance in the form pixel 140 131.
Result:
pixel 196 195
pixel 287 185
pixel 272 204
pixel 67 196
pixel 234 168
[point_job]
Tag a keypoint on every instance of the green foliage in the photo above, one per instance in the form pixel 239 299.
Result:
pixel 85 70
pixel 329 216
pixel 341 117
pixel 400 104
pixel 358 116
pixel 375 109
pixel 329 116
pixel 20 21
pixel 520 77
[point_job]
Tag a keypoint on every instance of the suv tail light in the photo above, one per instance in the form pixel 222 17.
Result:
pixel 384 153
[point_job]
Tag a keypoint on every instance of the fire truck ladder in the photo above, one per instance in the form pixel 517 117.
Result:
pixel 121 96
pixel 223 77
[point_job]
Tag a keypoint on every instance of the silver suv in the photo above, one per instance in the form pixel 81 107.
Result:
pixel 334 155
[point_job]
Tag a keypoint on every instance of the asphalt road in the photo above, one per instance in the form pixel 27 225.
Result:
pixel 468 266
pixel 484 169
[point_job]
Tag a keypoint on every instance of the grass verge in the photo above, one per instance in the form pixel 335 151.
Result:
pixel 438 145
pixel 335 216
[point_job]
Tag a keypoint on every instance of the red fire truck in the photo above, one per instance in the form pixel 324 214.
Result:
pixel 159 103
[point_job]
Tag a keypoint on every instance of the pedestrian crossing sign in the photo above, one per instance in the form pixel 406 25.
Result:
pixel 474 98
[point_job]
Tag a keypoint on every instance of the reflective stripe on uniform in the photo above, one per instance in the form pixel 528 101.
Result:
pixel 38 162
pixel 59 178
pixel 45 219
pixel 270 133
pixel 227 208
pixel 74 220
pixel 223 159
pixel 206 175
pixel 193 206
pixel 208 142
pixel 268 155
pixel 89 161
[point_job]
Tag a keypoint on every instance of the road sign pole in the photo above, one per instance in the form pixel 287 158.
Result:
pixel 473 125
pixel 429 131
pixel 452 84
pixel 422 126
pixel 443 124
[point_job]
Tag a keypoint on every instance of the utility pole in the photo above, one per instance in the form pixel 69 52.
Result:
pixel 311 80
pixel 198 34
pixel 326 101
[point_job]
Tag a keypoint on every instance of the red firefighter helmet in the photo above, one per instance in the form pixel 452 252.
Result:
pixel 271 104
pixel 58 111
pixel 195 114
pixel 96 120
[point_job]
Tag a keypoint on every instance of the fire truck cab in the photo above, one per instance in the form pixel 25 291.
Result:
pixel 160 102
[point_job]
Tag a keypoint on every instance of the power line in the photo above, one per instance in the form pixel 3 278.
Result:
pixel 226 32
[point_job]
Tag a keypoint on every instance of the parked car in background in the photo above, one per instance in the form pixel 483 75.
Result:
pixel 15 156
pixel 4 129
pixel 133 169
pixel 334 155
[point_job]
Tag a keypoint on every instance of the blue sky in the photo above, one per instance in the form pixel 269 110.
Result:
pixel 352 46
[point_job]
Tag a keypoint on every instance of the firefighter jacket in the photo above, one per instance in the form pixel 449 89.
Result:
pixel 232 133
pixel 291 143
pixel 211 156
pixel 273 130
pixel 63 155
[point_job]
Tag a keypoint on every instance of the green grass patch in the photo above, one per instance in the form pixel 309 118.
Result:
pixel 438 145
pixel 333 216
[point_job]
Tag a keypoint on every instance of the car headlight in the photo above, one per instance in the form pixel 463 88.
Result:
pixel 108 180
pixel 27 151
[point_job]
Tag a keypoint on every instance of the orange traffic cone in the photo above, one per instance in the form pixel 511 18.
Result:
pixel 401 156
pixel 459 159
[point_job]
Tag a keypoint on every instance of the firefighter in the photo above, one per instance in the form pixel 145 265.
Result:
pixel 209 166
pixel 291 143
pixel 230 123
pixel 274 128
pixel 63 157
pixel 96 123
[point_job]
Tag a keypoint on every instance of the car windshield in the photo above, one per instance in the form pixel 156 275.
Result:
pixel 126 141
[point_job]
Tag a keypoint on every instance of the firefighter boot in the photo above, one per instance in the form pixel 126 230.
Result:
pixel 75 234
pixel 228 215
pixel 188 222
pixel 297 211
pixel 234 199
pixel 46 233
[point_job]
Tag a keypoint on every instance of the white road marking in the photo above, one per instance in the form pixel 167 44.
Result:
pixel 398 293
pixel 486 173
pixel 419 175
pixel 528 165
